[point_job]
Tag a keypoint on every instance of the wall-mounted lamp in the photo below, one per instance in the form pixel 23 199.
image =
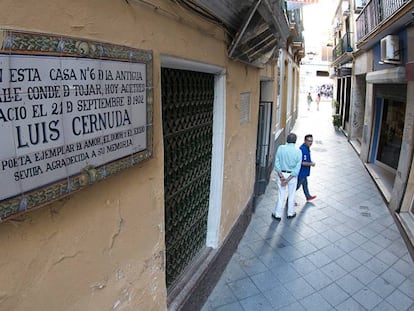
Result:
pixel 311 55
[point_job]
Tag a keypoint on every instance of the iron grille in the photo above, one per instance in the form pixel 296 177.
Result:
pixel 187 106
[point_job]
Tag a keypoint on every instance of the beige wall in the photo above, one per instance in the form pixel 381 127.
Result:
pixel 240 146
pixel 103 247
pixel 407 145
pixel 409 128
pixel 362 63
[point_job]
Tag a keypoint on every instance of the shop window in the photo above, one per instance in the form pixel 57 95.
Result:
pixel 392 126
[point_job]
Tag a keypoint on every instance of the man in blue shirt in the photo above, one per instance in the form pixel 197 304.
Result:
pixel 287 165
pixel 305 168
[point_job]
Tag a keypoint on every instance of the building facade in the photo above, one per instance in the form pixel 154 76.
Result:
pixel 378 115
pixel 342 61
pixel 148 124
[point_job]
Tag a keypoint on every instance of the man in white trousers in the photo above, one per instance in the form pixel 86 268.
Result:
pixel 287 166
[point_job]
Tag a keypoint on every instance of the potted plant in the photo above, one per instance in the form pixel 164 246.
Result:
pixel 335 105
pixel 337 120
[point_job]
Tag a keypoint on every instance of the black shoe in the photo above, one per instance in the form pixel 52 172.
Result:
pixel 291 216
pixel 274 217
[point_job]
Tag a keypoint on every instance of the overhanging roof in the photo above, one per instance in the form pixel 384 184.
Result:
pixel 258 27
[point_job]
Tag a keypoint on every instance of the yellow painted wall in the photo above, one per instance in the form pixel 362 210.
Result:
pixel 240 145
pixel 103 247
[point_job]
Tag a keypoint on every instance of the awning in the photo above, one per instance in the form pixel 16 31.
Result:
pixel 296 4
pixel 264 30
pixel 258 28
pixel 304 1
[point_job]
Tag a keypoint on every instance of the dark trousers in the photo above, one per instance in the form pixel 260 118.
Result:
pixel 304 183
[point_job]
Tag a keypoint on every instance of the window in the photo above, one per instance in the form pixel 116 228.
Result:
pixel 391 132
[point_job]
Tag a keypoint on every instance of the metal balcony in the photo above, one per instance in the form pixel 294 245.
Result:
pixel 342 47
pixel 375 13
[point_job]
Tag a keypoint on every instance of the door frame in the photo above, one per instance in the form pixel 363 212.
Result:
pixel 379 102
pixel 219 129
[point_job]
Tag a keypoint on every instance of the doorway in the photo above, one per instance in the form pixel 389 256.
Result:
pixel 177 75
pixel 388 130
pixel 187 112
pixel 264 141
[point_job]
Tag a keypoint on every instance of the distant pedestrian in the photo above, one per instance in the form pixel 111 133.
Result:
pixel 317 100
pixel 287 165
pixel 309 100
pixel 305 167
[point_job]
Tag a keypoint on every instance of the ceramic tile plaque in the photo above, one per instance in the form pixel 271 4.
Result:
pixel 72 112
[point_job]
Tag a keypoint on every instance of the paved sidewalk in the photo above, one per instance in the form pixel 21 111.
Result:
pixel 341 252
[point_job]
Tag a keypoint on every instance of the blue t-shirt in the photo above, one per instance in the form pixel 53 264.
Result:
pixel 306 157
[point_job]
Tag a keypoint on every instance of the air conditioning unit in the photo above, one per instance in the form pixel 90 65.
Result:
pixel 390 49
pixel 359 4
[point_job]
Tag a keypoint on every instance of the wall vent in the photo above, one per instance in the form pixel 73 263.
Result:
pixel 390 50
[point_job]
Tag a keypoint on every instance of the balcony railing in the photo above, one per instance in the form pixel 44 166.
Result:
pixel 342 47
pixel 295 20
pixel 374 13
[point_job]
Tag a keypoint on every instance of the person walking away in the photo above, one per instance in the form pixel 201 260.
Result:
pixel 287 165
pixel 309 100
pixel 318 99
pixel 305 167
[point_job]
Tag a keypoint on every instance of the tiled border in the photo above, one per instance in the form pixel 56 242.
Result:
pixel 22 42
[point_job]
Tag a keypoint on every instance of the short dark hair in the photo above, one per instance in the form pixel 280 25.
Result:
pixel 291 138
pixel 308 136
